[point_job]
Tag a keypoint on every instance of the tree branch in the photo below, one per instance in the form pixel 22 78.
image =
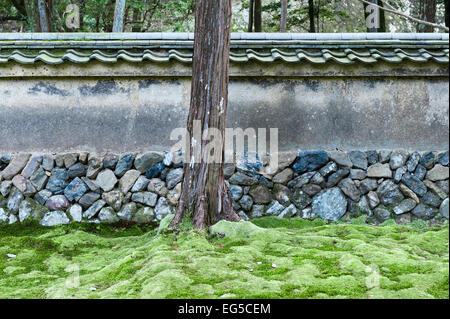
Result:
pixel 391 9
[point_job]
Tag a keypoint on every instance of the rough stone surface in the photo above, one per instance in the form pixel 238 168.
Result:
pixel 409 193
pixel 77 170
pixel 443 158
pixel 443 210
pixel 88 199
pixel 359 159
pixel 14 200
pixel 412 162
pixel 128 179
pixel 399 173
pixel 246 202
pixel 310 161
pixel 368 185
pixel 144 215
pixel 94 209
pixel 236 192
pixel 423 211
pixel 127 211
pixel 358 174
pixel 24 185
pixel 437 190
pixel 114 199
pixel 174 177
pixel 33 164
pixel 58 181
pixel 341 158
pixel 372 157
pixel 15 166
pixel 301 180
pixel 431 199
pixel 328 169
pixel 330 204
pixel 42 196
pixel 5 188
pixel 282 194
pixel 257 211
pixel 398 159
pixel 382 214
pixel 438 173
pixel 284 176
pixel 384 156
pixel 311 189
pixel 124 164
pixel 379 171
pixel 428 160
pixel 76 213
pixel 241 179
pixel 389 193
pixel 415 184
pixel 420 172
pixel 57 202
pixel 106 180
pixel 261 194
pixel 335 178
pixel 157 186
pixel 107 215
pixel 145 198
pixel 163 209
pixel 39 179
pixel 349 188
pixel 147 160
pixel 274 209
pixel 75 190
pixel 373 199
pixel 405 206
pixel 54 218
pixel 140 185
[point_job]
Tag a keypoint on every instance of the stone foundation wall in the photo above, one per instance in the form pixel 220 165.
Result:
pixel 145 187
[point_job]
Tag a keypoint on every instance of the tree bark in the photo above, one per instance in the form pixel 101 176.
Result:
pixel 258 16
pixel 429 14
pixel 205 198
pixel 251 15
pixel 44 21
pixel 119 13
pixel 312 26
pixel 447 13
pixel 284 12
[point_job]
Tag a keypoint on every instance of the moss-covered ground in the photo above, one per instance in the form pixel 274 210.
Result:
pixel 269 258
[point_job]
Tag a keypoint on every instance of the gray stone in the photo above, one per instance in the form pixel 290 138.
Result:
pixel 443 210
pixel 76 213
pixel 228 170
pixel 243 216
pixel 241 179
pixel 145 198
pixel 174 195
pixel 163 209
pixel 409 193
pixel 59 160
pixel 260 194
pixel 301 180
pixel 444 185
pixel 106 180
pixel 438 173
pixel 399 173
pixel 412 162
pixel 110 161
pixel 425 212
pixel 282 194
pixel 42 196
pixel 274 209
pixel 359 159
pixel 75 190
pixel 144 215
pixel 24 185
pixel 358 174
pixel 14 200
pixel 236 192
pixel 48 163
pixel 405 206
pixel 70 159
pixel 364 206
pixel 443 158
pixel 398 159
pixel 5 188
pixel 389 193
pixel 420 172
pixel 246 202
pixel 39 179
pixel 4 216
pixel 300 199
pixel 431 199
pixel 379 171
pixel 328 169
pixel 335 178
pixel 144 161
pixel 353 209
pixel 384 156
pixel 174 177
pixel 25 210
pixel 33 164
pixel 57 202
pixel 284 176
pixel 77 170
pixel 107 215
pixel 330 204
pixel 92 185
pixel 437 190
pixel 341 158
pixel 54 218
pixel 415 184
pixel 249 162
pixel 168 157
pixel 310 161
pixel 114 199
pixel 349 188
pixel 373 199
pixel 317 179
pixel 15 166
pixel 128 179
pixel 94 209
pixel 92 172
pixel 127 211
pixel 140 185
pixel 257 211
pixel 382 214
pixel 428 160
pixel 308 213
pixel 368 185
pixel 58 181
pixel 311 189
pixel 372 157
pixel 157 186
pixel 125 163
pixel 403 219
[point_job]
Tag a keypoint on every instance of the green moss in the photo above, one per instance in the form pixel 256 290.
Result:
pixel 268 258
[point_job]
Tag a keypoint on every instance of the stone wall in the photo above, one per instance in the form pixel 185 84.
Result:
pixel 145 187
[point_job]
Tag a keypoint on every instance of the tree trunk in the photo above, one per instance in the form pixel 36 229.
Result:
pixel 251 15
pixel 429 14
pixel 44 22
pixel 312 26
pixel 205 198
pixel 258 16
pixel 284 12
pixel 446 13
pixel 119 13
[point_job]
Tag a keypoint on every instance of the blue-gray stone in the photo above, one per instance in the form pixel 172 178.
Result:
pixel 428 160
pixel 389 193
pixel 414 184
pixel 420 172
pixel 58 181
pixel 249 163
pixel 5 158
pixel 310 161
pixel 443 159
pixel 399 173
pixel 125 163
pixel 110 160
pixel 155 171
pixel 330 204
pixel 75 190
pixel 264 181
pixel 236 192
pixel 335 178
pixel 382 214
pixel 412 162
pixel 359 159
pixel 328 169
pixel 246 203
pixel 164 173
pixel 174 177
pixel 431 199
pixel 372 157
pixel 77 170
pixel 42 196
pixel 423 211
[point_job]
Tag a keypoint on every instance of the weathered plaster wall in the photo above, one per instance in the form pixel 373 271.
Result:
pixel 138 113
